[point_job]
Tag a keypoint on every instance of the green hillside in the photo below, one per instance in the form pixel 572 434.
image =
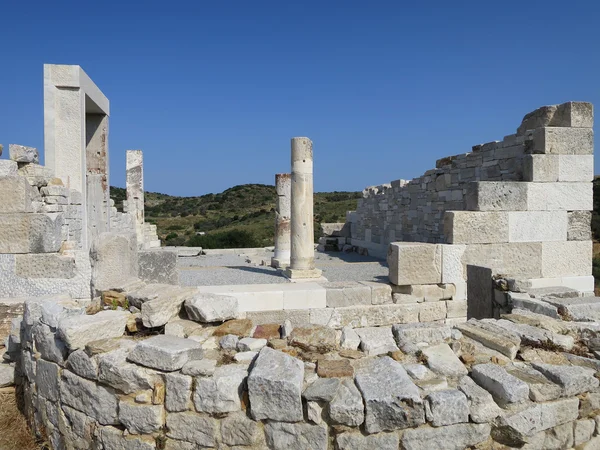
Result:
pixel 242 216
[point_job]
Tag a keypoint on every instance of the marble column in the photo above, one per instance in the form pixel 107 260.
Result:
pixel 302 254
pixel 135 191
pixel 281 257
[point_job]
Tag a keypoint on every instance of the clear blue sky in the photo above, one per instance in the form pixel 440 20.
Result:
pixel 212 92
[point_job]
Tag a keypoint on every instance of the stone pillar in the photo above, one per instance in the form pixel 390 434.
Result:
pixel 283 186
pixel 302 255
pixel 135 191
pixel 76 115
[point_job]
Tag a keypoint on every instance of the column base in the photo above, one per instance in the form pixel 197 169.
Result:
pixel 280 263
pixel 294 274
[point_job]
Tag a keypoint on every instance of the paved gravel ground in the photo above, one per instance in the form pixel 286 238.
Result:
pixel 213 270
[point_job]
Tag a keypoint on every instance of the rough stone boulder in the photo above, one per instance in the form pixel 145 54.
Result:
pixel 275 387
pixel 221 392
pixel 392 400
pixel 23 154
pixel 76 331
pixel 166 306
pixel 206 307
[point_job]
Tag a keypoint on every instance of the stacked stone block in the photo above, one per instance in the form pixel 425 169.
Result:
pixel 558 150
pixel 41 222
pixel 412 386
pixel 521 207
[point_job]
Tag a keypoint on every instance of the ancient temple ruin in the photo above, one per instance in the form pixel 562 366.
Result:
pixel 482 333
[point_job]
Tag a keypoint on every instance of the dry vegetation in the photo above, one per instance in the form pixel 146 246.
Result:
pixel 14 433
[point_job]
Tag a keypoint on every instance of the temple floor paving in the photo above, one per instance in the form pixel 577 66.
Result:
pixel 225 269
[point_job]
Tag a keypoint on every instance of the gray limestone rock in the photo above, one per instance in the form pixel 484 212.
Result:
pixel 376 340
pixel 482 407
pixel 536 336
pixel 7 375
pixel 86 396
pixel 48 344
pixel 349 340
pixel 540 388
pixel 229 342
pixel 357 441
pixel 238 429
pixel 166 353
pixel 77 331
pixel 347 407
pixel 178 392
pixel 442 360
pixel 275 387
pixel 521 427
pixel 114 439
pixel 46 379
pixel 573 379
pixel 451 437
pixel 115 371
pixel 166 306
pixel 418 371
pixel 446 407
pixel 248 344
pixel 492 336
pixel 314 412
pixel 200 367
pixel 84 366
pixel 220 393
pixel 504 387
pixel 392 400
pixel 296 436
pixel 23 154
pixel 192 427
pixel 141 419
pixel 323 389
pixel 8 168
pixel 432 333
pixel 206 307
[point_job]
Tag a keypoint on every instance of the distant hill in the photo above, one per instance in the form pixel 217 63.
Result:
pixel 242 216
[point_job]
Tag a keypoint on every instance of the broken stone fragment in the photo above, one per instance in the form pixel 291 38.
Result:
pixel 275 387
pixel 323 389
pixel 250 344
pixel 202 367
pixel 238 429
pixel 77 331
pixel 376 340
pixel 166 353
pixel 446 407
pixel 23 154
pixel 519 428
pixel 573 379
pixel 451 437
pixel 482 407
pixel 206 307
pixel 229 342
pixel 504 387
pixel 492 336
pixel 349 340
pixel 442 360
pixel 346 408
pixel 221 392
pixel 296 436
pixel 141 419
